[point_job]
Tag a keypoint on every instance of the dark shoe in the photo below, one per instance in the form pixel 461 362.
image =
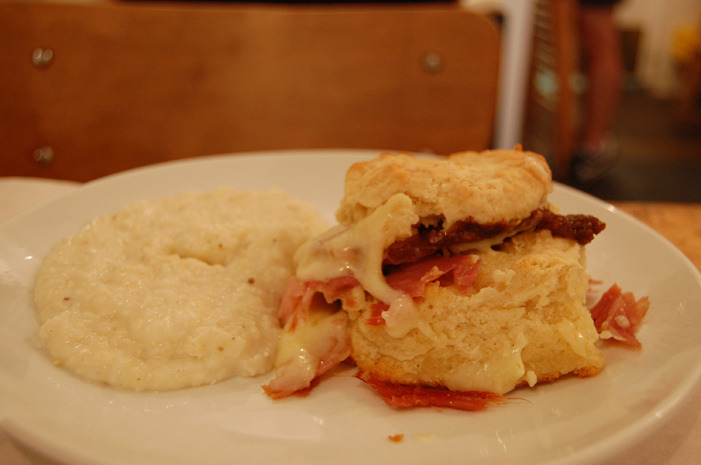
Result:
pixel 589 166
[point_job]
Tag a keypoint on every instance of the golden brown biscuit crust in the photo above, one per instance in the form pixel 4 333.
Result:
pixel 487 187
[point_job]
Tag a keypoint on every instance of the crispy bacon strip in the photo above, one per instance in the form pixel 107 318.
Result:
pixel 404 396
pixel 618 315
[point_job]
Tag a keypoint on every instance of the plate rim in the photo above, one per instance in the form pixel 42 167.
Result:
pixel 653 419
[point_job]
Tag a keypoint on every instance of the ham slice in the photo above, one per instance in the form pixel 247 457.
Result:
pixel 412 278
pixel 320 345
pixel 315 333
pixel 315 337
pixel 297 299
pixel 618 315
pixel 458 270
pixel 404 396
pixel 375 318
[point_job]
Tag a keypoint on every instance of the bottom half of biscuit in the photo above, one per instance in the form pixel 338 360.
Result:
pixel 523 321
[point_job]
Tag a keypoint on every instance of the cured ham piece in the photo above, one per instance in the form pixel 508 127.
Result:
pixel 297 299
pixel 458 270
pixel 404 396
pixel 295 303
pixel 315 337
pixel 313 348
pixel 375 318
pixel 618 314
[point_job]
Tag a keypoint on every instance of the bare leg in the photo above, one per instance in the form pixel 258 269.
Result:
pixel 602 50
pixel 604 64
pixel 690 89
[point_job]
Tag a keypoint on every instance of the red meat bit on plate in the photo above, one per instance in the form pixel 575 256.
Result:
pixel 405 396
pixel 618 315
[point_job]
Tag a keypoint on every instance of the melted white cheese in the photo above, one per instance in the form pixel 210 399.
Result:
pixel 500 374
pixel 401 316
pixel 358 250
pixel 574 338
pixel 321 337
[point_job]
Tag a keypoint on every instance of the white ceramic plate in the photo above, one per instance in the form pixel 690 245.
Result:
pixel 569 422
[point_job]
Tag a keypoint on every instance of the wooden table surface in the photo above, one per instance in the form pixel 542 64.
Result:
pixel 678 222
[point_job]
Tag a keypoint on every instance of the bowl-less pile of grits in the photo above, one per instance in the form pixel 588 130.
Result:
pixel 174 292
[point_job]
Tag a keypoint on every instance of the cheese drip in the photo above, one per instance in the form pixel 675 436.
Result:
pixel 301 350
pixel 357 250
pixel 501 373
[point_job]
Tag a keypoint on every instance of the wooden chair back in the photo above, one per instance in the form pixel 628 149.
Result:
pixel 553 110
pixel 92 89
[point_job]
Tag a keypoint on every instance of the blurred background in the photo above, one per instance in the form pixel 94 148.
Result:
pixel 658 123
pixel 89 87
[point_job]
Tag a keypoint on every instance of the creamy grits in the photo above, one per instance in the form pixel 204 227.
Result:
pixel 174 292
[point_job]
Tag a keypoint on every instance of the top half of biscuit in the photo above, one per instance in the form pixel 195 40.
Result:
pixel 484 187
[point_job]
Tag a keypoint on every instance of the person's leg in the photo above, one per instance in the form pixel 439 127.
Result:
pixel 603 55
pixel 604 59
pixel 690 89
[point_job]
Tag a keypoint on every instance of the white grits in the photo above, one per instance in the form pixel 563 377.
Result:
pixel 174 292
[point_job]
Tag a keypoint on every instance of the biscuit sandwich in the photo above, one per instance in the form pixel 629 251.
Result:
pixel 447 281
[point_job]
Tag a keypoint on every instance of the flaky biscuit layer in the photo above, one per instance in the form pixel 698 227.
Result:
pixel 524 321
pixel 486 187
